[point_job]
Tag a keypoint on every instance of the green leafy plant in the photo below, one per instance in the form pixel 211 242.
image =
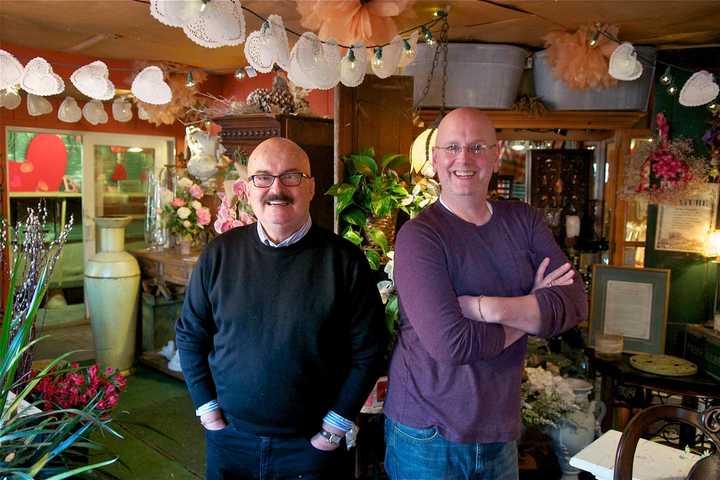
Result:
pixel 371 190
pixel 35 443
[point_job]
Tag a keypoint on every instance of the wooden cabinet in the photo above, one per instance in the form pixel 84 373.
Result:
pixel 242 133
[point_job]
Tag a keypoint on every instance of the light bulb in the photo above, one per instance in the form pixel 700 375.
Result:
pixel 666 77
pixel 427 34
pixel 240 74
pixel 204 5
pixel 672 90
pixel 594 39
pixel 189 81
pixel 714 107
pixel 407 48
pixel 377 60
pixel 351 58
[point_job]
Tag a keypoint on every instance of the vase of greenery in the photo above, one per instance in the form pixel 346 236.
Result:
pixel 35 443
pixel 368 199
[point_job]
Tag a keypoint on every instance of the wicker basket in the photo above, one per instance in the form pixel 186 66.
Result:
pixel 385 225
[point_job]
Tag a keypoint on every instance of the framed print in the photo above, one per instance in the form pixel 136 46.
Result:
pixel 684 227
pixel 632 302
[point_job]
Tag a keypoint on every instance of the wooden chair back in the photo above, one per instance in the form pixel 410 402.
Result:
pixel 708 422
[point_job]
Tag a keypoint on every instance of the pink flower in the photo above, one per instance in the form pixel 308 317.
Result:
pixel 240 189
pixel 196 191
pixel 246 219
pixel 177 202
pixel 203 216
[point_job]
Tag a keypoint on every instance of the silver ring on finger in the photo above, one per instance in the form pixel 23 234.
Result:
pixel 550 284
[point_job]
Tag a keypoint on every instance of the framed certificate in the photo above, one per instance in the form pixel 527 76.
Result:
pixel 684 227
pixel 632 302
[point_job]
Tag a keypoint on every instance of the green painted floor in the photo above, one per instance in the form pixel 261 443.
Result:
pixel 163 438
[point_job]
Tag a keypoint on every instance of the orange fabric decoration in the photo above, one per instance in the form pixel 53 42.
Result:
pixel 578 64
pixel 370 22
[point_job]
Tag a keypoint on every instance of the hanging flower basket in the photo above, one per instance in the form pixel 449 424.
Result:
pixel 664 171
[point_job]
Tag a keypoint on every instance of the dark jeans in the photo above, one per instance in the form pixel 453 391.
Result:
pixel 421 453
pixel 232 454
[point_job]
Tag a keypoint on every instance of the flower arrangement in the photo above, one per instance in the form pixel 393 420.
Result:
pixel 36 444
pixel 234 210
pixel 711 139
pixel 546 398
pixel 664 171
pixel 75 387
pixel 184 215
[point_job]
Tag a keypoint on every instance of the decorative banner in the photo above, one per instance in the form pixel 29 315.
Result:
pixel 624 64
pixel 11 70
pixel 699 90
pixel 149 87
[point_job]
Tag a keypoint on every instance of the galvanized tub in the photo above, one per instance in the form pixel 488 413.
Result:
pixel 479 75
pixel 556 95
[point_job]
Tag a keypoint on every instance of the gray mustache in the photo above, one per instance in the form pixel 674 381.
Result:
pixel 279 198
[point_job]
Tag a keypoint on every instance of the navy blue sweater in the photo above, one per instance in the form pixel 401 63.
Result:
pixel 280 336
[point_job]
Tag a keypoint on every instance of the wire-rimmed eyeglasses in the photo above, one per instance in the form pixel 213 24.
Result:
pixel 475 149
pixel 289 179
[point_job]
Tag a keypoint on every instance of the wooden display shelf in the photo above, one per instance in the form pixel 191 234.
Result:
pixel 569 119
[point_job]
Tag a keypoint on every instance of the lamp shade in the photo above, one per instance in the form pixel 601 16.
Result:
pixel 421 152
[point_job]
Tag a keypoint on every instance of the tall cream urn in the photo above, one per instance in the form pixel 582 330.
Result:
pixel 112 279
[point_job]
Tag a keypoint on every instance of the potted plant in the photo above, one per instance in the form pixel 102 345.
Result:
pixel 35 443
pixel 368 201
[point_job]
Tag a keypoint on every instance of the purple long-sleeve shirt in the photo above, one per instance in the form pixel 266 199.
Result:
pixel 449 371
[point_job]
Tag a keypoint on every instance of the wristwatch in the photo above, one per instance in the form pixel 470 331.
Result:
pixel 331 437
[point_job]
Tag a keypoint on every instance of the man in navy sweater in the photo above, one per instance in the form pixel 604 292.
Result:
pixel 281 334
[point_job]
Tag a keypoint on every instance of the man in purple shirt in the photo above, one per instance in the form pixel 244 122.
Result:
pixel 471 279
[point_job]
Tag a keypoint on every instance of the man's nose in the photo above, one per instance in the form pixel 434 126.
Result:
pixel 276 186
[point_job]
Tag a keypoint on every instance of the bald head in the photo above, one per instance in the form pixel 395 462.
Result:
pixel 466 118
pixel 280 152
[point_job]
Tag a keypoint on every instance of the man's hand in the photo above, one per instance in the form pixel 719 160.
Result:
pixel 213 420
pixel 322 443
pixel 563 275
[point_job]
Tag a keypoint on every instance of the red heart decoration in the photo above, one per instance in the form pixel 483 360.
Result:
pixel 43 168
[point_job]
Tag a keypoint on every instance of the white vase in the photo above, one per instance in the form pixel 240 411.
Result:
pixel 577 429
pixel 112 279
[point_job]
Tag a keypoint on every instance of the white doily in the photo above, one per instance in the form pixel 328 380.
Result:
pixel 408 56
pixel 318 60
pixel 279 36
pixel 296 74
pixel 699 90
pixel 94 112
pixel 93 80
pixel 37 106
pixel 624 64
pixel 175 13
pixel 149 86
pixel 11 70
pixel 122 110
pixel 221 24
pixel 268 46
pixel 390 58
pixel 69 111
pixel 38 78
pixel 9 99
pixel 352 74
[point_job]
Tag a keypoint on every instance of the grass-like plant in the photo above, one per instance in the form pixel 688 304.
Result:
pixel 34 443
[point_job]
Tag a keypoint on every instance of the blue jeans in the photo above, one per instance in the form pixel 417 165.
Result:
pixel 236 455
pixel 422 454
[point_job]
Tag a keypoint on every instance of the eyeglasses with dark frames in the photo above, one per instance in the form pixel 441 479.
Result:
pixel 289 179
pixel 474 149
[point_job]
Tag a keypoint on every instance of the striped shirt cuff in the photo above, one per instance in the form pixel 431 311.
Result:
pixel 338 421
pixel 208 407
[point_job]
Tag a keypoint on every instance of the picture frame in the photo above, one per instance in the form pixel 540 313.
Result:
pixel 632 302
pixel 684 227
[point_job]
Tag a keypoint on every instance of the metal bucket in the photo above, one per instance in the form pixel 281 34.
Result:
pixel 556 95
pixel 485 76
